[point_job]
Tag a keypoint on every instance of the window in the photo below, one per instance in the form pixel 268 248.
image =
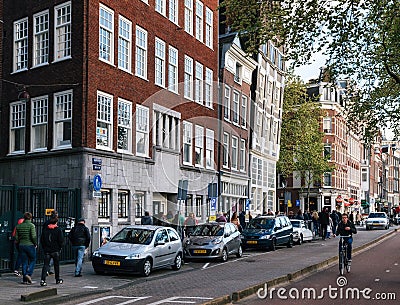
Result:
pixel 327 179
pixel 123 203
pixel 209 148
pixel 124 141
pixel 104 205
pixel 238 73
pixel 189 16
pixel 173 11
pixel 227 101
pixel 243 112
pixel 242 160
pixel 124 44
pixel 106 34
pixel 209 28
pixel 187 143
pixel 173 69
pixel 104 121
pixel 272 53
pixel 141 52
pixel 166 131
pixel 139 198
pixel 234 152
pixel 199 145
pixel 188 79
pixel 327 124
pixel 235 107
pixel 142 130
pixel 208 88
pixel 41 38
pixel 39 123
pixel 62 39
pixel 199 20
pixel 21 44
pixel 161 7
pixel 63 119
pixel 160 62
pixel 364 175
pixel 17 118
pixel 198 84
pixel 328 151
pixel 226 150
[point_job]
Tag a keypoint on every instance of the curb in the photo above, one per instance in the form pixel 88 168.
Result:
pixel 239 295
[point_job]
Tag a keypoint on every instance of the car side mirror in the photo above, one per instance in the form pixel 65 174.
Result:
pixel 276 229
pixel 226 235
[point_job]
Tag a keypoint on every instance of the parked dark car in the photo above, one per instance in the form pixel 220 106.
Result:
pixel 268 232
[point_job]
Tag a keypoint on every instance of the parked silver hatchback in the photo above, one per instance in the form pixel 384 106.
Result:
pixel 139 249
pixel 213 240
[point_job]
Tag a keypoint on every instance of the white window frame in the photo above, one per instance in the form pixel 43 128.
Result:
pixel 159 62
pixel 62 31
pixel 106 34
pixel 173 11
pixel 188 78
pixel 199 20
pixel 124 123
pixel 235 146
pixel 172 69
pixel 141 53
pixel 235 107
pixel 199 145
pixel 198 83
pixel 327 124
pixel 62 117
pixel 209 28
pixel 227 103
pixel 142 130
pixel 104 118
pixel 187 143
pixel 17 126
pixel 41 38
pixel 39 120
pixel 243 112
pixel 124 44
pixel 189 17
pixel 242 159
pixel 160 6
pixel 209 148
pixel 225 156
pixel 21 45
pixel 208 88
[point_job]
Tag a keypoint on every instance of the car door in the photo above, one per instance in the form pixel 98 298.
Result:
pixel 235 236
pixel 175 244
pixel 162 249
pixel 228 242
pixel 279 231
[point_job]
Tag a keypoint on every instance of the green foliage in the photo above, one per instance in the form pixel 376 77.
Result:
pixel 360 38
pixel 301 139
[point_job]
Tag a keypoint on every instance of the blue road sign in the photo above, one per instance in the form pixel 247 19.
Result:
pixel 97 183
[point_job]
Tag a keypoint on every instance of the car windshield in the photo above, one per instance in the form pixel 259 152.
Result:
pixel 134 236
pixel 208 230
pixel 261 223
pixel 296 224
pixel 376 215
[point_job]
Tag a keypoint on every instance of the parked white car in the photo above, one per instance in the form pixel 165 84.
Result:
pixel 377 220
pixel 302 232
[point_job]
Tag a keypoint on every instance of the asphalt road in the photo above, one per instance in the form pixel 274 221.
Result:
pixel 374 279
pixel 200 282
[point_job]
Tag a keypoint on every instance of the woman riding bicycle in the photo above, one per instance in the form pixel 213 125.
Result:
pixel 346 228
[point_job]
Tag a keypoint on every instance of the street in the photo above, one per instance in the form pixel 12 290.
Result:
pixel 200 282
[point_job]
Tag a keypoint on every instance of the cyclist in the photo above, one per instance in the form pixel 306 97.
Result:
pixel 346 228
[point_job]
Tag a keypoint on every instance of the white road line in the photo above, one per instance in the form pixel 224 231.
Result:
pixel 377 280
pixel 205 266
pixel 176 300
pixel 387 270
pixel 132 299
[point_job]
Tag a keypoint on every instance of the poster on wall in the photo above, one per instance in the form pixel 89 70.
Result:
pixel 104 235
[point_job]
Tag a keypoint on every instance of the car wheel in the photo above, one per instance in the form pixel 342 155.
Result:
pixel 146 268
pixel 290 242
pixel 224 256
pixel 273 245
pixel 300 241
pixel 240 252
pixel 178 262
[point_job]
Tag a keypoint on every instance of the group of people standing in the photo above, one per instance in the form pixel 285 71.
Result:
pixel 51 241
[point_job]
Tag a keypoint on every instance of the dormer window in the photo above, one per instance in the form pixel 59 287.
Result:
pixel 238 73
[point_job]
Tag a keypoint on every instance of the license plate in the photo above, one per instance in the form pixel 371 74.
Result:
pixel 376 224
pixel 199 251
pixel 112 263
pixel 253 242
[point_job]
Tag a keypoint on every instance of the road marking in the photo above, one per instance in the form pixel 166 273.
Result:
pixel 176 300
pixel 90 287
pixel 132 299
pixel 377 280
pixel 387 270
pixel 205 266
pixel 396 264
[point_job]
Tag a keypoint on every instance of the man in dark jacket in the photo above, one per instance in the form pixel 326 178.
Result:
pixel 54 214
pixel 324 222
pixel 80 239
pixel 52 241
pixel 147 219
pixel 346 228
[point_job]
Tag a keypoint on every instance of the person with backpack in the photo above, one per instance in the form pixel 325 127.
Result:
pixel 52 241
pixel 80 239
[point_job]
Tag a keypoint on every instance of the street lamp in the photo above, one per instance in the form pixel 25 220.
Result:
pixel 286 207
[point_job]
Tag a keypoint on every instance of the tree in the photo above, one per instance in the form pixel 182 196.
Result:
pixel 361 39
pixel 302 148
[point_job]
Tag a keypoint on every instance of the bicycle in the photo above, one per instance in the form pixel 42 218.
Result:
pixel 343 260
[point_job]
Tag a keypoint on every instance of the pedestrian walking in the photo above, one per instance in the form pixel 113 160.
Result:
pixel 190 223
pixel 178 223
pixel 235 220
pixel 80 239
pixel 26 237
pixel 18 262
pixel 324 222
pixel 52 241
pixel 335 220
pixel 54 214
pixel 146 219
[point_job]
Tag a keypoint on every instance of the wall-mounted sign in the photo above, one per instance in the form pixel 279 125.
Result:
pixel 97 183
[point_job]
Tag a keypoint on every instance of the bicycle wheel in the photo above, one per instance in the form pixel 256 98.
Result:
pixel 346 261
pixel 341 263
